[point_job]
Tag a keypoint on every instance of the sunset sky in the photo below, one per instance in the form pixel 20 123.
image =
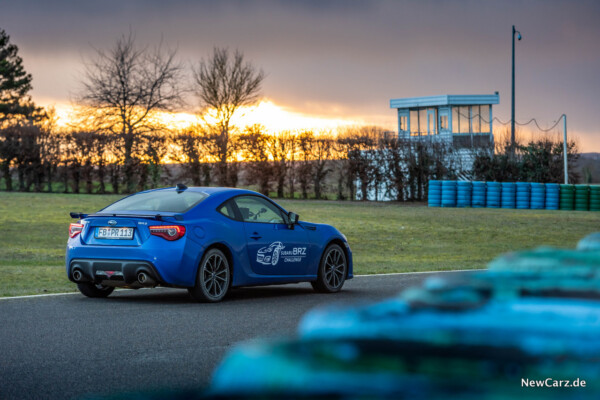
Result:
pixel 340 62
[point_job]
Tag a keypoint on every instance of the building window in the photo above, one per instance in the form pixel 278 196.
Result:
pixel 484 111
pixel 443 122
pixel 403 123
pixel 414 122
pixel 464 119
pixel 432 121
pixel 455 120
pixel 423 121
pixel 476 119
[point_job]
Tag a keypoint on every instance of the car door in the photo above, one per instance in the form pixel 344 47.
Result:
pixel 273 247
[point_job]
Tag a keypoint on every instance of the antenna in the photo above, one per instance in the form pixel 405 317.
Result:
pixel 180 187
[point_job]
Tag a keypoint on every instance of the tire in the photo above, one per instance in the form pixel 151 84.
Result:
pixel 333 269
pixel 91 290
pixel 213 279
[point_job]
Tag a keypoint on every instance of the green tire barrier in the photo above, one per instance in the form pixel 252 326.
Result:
pixel 594 198
pixel 582 197
pixel 567 197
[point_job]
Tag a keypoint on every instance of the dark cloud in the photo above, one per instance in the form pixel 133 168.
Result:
pixel 344 55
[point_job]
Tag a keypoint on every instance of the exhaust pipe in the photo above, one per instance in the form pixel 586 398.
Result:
pixel 145 280
pixel 77 275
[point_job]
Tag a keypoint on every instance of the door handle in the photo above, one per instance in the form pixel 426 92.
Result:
pixel 255 236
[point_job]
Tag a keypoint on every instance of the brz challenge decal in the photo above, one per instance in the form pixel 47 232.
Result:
pixel 271 254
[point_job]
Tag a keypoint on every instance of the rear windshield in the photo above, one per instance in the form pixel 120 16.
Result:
pixel 160 200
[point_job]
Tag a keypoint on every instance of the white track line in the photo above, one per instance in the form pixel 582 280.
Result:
pixel 36 295
pixel 29 296
pixel 356 276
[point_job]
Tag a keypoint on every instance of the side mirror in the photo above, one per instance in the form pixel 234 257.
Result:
pixel 293 219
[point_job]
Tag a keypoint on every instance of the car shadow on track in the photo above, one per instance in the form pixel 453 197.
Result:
pixel 181 296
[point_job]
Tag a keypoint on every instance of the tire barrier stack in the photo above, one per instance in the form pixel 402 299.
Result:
pixel 582 197
pixel 478 195
pixel 567 197
pixel 520 195
pixel 492 195
pixel 463 194
pixel 594 198
pixel 538 196
pixel 552 196
pixel 493 334
pixel 434 198
pixel 508 195
pixel 449 193
pixel 523 195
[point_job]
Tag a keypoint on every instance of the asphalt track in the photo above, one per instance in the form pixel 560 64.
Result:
pixel 70 346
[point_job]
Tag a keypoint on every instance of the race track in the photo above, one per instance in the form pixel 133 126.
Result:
pixel 69 346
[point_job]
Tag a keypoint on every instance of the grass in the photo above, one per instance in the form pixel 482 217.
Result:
pixel 384 237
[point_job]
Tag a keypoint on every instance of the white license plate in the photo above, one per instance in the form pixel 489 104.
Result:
pixel 107 232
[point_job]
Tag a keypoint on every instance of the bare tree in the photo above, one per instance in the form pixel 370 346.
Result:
pixel 306 141
pixel 395 153
pixel 254 144
pixel 192 154
pixel 361 145
pixel 124 85
pixel 322 154
pixel 28 156
pixel 101 144
pixel 9 150
pixel 224 83
pixel 155 151
pixel 293 144
pixel 187 155
pixel 50 141
pixel 281 148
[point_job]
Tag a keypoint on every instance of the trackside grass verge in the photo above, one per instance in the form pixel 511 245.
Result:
pixel 384 237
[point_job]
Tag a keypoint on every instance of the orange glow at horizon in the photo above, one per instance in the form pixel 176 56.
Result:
pixel 273 117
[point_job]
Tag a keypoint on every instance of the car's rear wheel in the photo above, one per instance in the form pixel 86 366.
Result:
pixel 214 278
pixel 332 270
pixel 92 290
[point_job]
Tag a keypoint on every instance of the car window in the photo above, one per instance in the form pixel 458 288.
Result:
pixel 159 200
pixel 256 209
pixel 227 209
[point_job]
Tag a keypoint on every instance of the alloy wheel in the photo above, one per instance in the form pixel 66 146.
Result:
pixel 335 268
pixel 215 276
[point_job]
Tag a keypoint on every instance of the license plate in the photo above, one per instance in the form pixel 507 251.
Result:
pixel 107 232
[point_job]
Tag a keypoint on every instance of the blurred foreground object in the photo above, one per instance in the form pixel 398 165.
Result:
pixel 527 328
pixel 590 242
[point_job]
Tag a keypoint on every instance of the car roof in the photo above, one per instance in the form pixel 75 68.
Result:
pixel 215 194
pixel 209 190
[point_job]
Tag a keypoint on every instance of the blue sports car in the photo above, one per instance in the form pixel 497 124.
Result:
pixel 204 239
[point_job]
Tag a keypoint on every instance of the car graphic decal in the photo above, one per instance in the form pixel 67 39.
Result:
pixel 271 254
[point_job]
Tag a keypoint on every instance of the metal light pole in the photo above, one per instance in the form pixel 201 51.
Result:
pixel 565 148
pixel 512 106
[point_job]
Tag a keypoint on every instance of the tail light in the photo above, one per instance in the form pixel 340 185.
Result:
pixel 75 229
pixel 169 232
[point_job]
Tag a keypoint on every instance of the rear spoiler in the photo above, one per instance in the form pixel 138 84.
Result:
pixel 157 217
pixel 77 215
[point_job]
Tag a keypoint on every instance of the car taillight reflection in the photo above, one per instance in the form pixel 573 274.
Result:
pixel 169 232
